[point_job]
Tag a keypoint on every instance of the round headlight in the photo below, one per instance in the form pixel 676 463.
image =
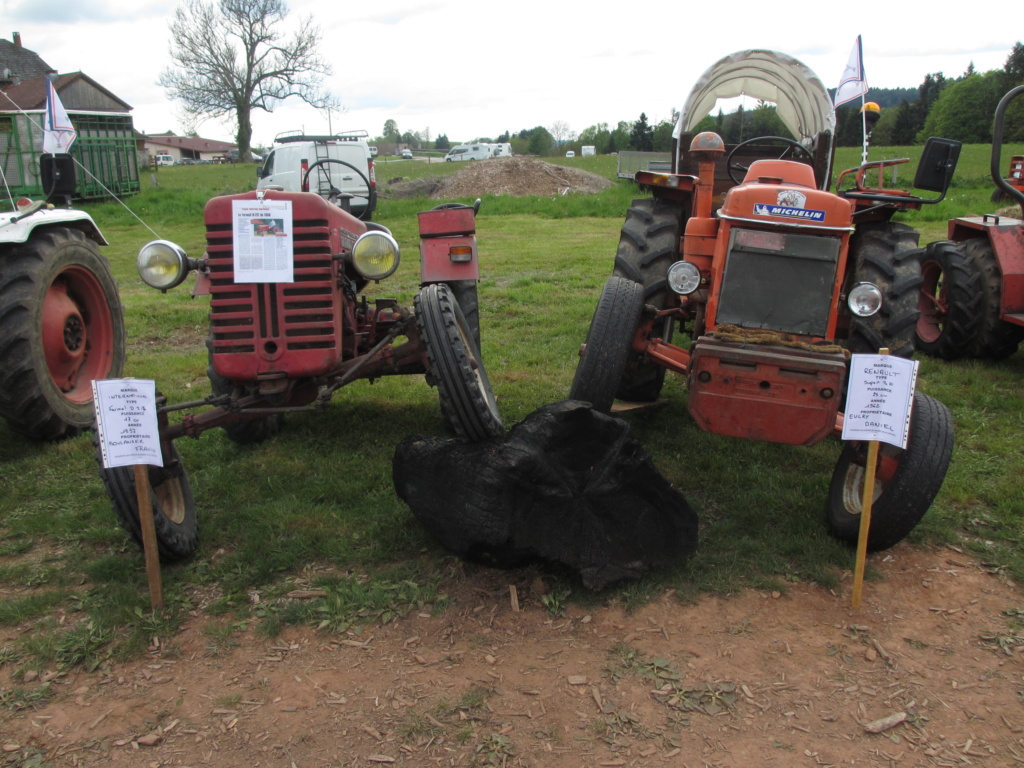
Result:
pixel 375 255
pixel 865 299
pixel 683 278
pixel 162 264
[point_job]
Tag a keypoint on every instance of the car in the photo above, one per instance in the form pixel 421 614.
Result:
pixel 407 154
pixel 570 153
pixel 186 161
pixel 339 168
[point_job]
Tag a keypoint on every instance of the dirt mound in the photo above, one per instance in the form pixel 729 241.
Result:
pixel 516 176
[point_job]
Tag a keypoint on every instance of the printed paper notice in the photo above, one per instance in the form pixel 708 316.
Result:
pixel 126 423
pixel 879 399
pixel 263 241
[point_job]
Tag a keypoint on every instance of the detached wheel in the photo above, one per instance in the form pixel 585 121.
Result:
pixel 994 338
pixel 242 432
pixel 949 299
pixel 609 344
pixel 906 481
pixel 886 254
pixel 456 367
pixel 174 508
pixel 63 327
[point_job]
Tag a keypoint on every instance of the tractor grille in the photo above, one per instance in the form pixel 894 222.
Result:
pixel 261 327
pixel 780 281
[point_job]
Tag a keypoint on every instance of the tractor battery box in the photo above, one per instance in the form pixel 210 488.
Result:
pixel 763 392
pixel 447 221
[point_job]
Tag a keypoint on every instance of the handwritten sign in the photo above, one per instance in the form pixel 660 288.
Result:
pixel 879 398
pixel 126 422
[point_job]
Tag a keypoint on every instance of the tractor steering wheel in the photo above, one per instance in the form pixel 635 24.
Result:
pixel 336 194
pixel 731 166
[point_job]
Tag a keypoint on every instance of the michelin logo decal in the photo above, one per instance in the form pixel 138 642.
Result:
pixel 789 213
pixel 790 205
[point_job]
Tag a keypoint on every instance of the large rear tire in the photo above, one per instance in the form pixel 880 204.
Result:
pixel 949 299
pixel 886 254
pixel 648 246
pixel 994 337
pixel 63 327
pixel 456 367
pixel 906 481
pixel 170 493
pixel 609 343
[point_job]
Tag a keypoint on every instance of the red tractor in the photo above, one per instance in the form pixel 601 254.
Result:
pixel 285 341
pixel 972 297
pixel 773 280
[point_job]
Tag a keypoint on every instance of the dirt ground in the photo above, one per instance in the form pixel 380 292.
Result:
pixel 515 176
pixel 927 673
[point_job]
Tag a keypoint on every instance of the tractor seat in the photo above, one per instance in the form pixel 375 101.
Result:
pixel 789 171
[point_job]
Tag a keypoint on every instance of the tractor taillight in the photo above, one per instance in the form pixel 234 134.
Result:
pixel 461 254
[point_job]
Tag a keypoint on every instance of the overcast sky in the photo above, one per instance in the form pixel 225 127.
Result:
pixel 468 69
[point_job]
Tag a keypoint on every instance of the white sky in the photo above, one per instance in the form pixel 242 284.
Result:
pixel 470 69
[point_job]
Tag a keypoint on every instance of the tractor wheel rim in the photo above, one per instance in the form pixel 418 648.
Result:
pixel 933 304
pixel 77 333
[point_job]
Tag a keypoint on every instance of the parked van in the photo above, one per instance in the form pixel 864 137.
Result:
pixel 461 152
pixel 164 159
pixel 501 150
pixel 296 156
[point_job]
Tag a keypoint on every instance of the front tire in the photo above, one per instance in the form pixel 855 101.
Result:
pixel 609 343
pixel 906 481
pixel 174 508
pixel 949 300
pixel 994 338
pixel 63 327
pixel 648 246
pixel 242 432
pixel 886 254
pixel 455 365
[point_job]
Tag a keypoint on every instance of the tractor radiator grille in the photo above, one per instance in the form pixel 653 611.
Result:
pixel 264 319
pixel 781 281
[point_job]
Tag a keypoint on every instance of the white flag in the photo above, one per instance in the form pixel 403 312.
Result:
pixel 58 132
pixel 853 82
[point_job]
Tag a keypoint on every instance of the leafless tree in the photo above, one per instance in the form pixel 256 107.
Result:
pixel 231 57
pixel 559 131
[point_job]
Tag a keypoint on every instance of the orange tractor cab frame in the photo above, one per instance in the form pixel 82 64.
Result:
pixel 774 280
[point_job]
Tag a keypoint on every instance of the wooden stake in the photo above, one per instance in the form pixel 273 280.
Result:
pixel 148 528
pixel 865 516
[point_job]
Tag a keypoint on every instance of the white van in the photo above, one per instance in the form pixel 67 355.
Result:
pixel 164 159
pixel 461 152
pixel 301 163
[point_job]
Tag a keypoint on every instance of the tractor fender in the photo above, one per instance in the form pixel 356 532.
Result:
pixel 16 229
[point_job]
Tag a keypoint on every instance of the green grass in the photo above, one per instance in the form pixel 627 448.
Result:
pixel 315 507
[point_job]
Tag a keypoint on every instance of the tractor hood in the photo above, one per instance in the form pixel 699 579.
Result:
pixel 801 100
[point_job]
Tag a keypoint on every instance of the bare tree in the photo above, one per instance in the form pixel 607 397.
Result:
pixel 231 57
pixel 559 131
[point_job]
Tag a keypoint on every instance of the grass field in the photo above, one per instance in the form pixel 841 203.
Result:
pixel 316 505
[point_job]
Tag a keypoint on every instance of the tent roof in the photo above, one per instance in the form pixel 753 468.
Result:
pixel 802 101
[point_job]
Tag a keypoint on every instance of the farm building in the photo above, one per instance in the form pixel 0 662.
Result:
pixel 186 147
pixel 106 146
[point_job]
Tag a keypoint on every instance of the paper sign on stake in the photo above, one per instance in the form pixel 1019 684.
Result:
pixel 126 422
pixel 879 398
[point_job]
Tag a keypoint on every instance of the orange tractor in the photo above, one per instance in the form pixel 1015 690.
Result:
pixel 773 280
pixel 972 296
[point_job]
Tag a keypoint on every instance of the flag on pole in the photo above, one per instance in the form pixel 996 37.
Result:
pixel 853 82
pixel 58 132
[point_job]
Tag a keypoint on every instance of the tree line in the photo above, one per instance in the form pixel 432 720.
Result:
pixel 955 108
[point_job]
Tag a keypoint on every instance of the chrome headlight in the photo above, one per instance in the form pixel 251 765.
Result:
pixel 684 278
pixel 865 299
pixel 375 255
pixel 162 264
